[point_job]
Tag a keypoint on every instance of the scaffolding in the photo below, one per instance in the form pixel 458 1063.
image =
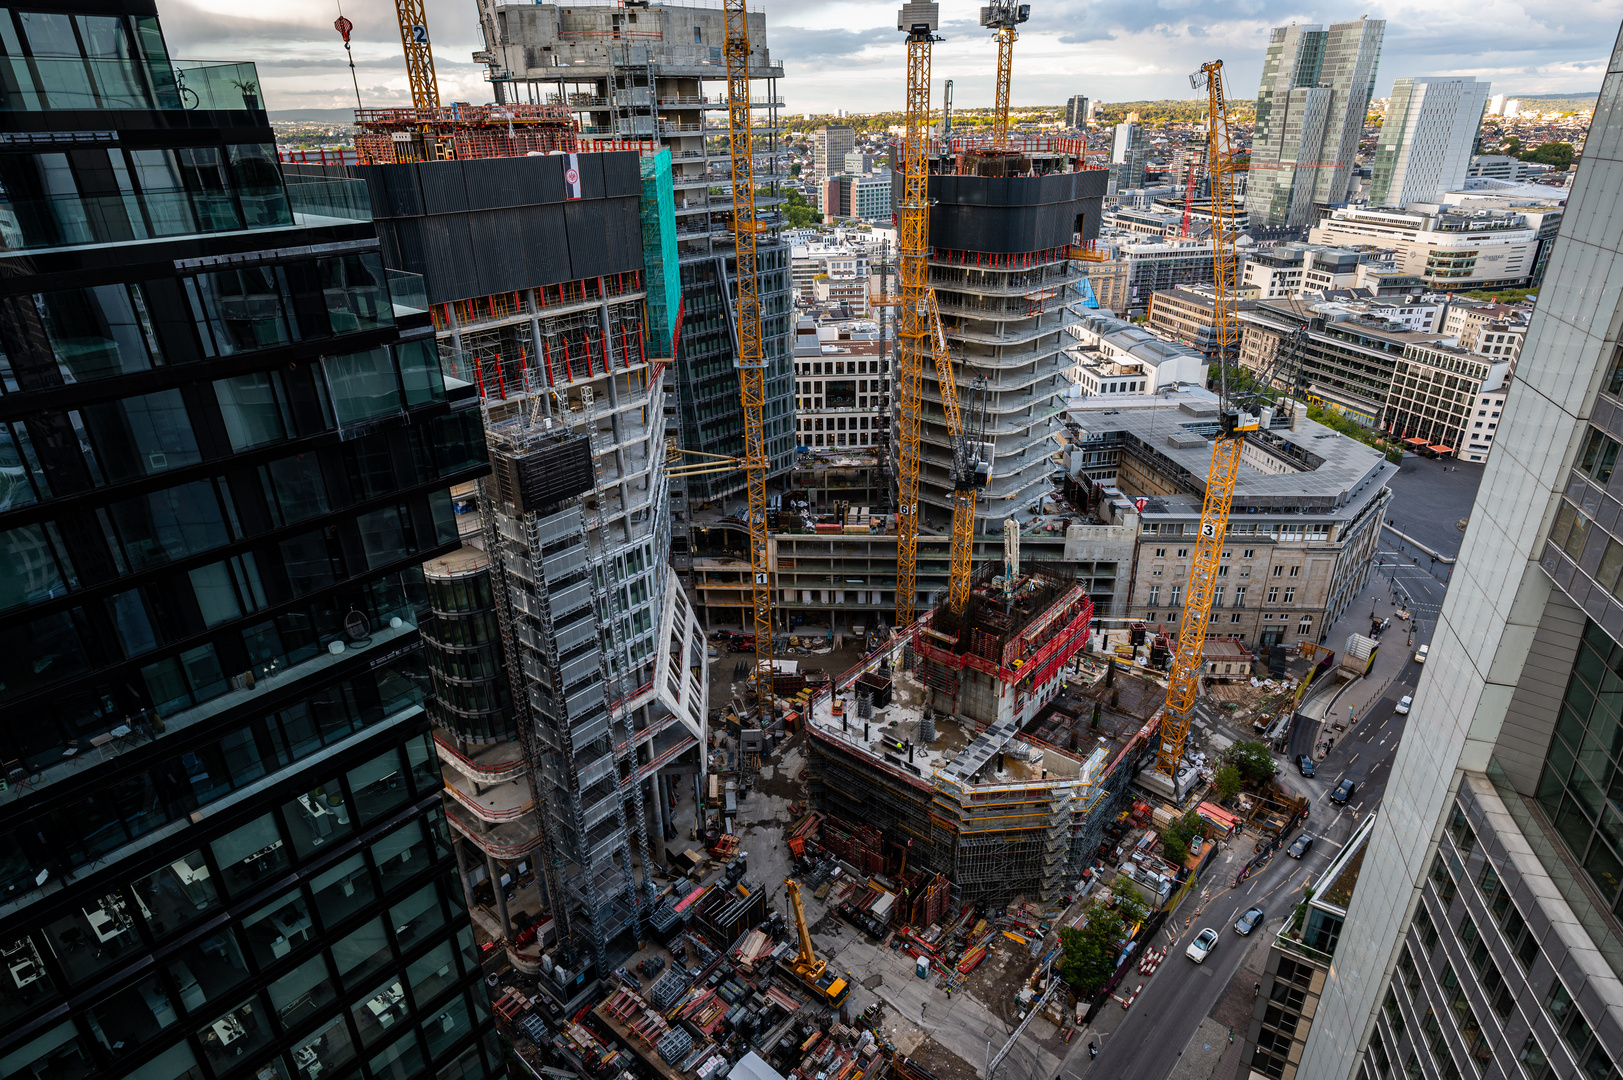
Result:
pixel 460 131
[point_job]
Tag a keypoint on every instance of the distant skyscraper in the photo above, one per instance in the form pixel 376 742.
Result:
pixel 1513 108
pixel 1425 143
pixel 1128 155
pixel 1483 937
pixel 1315 91
pixel 1496 105
pixel 1076 111
pixel 830 144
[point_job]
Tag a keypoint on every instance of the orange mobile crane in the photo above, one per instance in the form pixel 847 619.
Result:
pixel 1002 16
pixel 1233 424
pixel 751 354
pixel 919 328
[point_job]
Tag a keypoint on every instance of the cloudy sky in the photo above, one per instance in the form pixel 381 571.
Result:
pixel 846 54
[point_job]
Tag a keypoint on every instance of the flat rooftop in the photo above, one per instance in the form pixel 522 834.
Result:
pixel 1321 472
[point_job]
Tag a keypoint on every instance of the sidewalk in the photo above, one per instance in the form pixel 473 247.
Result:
pixel 1330 712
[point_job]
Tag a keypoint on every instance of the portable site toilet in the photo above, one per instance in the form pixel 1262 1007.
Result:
pixel 922 969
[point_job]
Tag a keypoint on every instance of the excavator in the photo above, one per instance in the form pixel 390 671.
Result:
pixel 830 989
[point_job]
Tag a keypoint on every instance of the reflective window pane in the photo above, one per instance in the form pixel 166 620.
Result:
pixel 342 890
pixel 432 974
pixel 324 1052
pixel 177 895
pixel 417 916
pixel 294 488
pixel 31 571
pixel 378 786
pixel 447 1026
pixel 28 984
pixel 234 1035
pixel 398 1061
pixel 55 1055
pixel 132 1017
pixel 302 992
pixel 254 409
pixel 279 927
pixel 142 435
pixel 251 853
pixel 206 970
pixel 363 385
pixel 383 535
pixel 317 816
pixel 377 1015
pixel 258 182
pixel 420 371
pixel 241 310
pixel 361 954
pixel 170 524
pixel 176 1063
pixel 94 332
pixel 401 854
pixel 357 293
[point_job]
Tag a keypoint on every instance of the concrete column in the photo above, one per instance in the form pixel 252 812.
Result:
pixel 495 870
pixel 656 822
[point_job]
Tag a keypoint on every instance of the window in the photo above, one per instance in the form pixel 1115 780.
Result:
pixel 1249 553
pixel 363 385
pixel 1460 830
pixel 1569 1021
pixel 1394 1014
pixel 97 332
pixel 1239 596
pixel 420 371
pixel 141 435
pixel 1273 594
pixel 254 408
pixel 33 566
pixel 1411 974
pixel 169 524
pixel 1177 595
pixel 1600 456
pixel 356 291
pixel 1443 881
pixel 1183 553
pixel 1532 1054
pixel 1278 570
pixel 1295 571
pixel 294 489
pixel 1290 596
pixel 239 311
pixel 1426 931
pixel 1155 595
pixel 383 536
pixel 1160 553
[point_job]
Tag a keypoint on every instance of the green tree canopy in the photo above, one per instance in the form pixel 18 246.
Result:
pixel 1558 154
pixel 1089 954
pixel 799 212
pixel 1176 837
pixel 1228 782
pixel 1253 761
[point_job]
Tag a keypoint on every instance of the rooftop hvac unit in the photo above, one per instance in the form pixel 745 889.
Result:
pixel 543 475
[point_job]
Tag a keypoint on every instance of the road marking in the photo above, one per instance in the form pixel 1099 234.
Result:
pixel 1354 758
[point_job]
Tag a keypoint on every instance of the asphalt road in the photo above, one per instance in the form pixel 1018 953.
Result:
pixel 1147 1041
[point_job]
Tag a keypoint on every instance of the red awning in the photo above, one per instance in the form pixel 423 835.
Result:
pixel 1415 442
pixel 1441 449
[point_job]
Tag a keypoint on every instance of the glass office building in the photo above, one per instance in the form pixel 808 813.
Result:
pixel 225 450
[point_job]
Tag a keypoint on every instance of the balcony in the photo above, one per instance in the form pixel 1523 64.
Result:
pixel 320 201
pixel 493 763
pixel 408 293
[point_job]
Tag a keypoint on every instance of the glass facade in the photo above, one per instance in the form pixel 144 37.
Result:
pixel 1581 787
pixel 224 454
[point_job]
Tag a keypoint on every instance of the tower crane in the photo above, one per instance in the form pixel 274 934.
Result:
pixel 1001 17
pixel 1234 422
pixel 919 20
pixel 919 328
pixel 751 354
pixel 425 87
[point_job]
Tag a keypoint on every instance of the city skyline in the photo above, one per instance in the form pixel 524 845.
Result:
pixel 842 55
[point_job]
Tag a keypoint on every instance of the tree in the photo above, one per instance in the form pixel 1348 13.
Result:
pixel 1253 761
pixel 799 212
pixel 1131 906
pixel 1228 782
pixel 1089 954
pixel 1512 146
pixel 794 170
pixel 1558 154
pixel 1176 837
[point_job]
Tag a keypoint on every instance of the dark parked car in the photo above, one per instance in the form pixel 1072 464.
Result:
pixel 1303 845
pixel 1343 792
pixel 1305 764
pixel 1248 922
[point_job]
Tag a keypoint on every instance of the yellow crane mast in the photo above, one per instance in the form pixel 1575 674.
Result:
pixel 919 20
pixel 751 353
pixel 1001 17
pixel 969 473
pixel 807 968
pixel 1233 423
pixel 425 88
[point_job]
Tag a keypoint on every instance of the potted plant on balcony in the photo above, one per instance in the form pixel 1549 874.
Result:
pixel 250 92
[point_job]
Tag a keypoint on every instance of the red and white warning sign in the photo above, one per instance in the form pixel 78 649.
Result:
pixel 1141 503
pixel 572 175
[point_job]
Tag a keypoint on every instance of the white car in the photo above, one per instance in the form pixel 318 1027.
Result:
pixel 1420 655
pixel 1402 707
pixel 1202 946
